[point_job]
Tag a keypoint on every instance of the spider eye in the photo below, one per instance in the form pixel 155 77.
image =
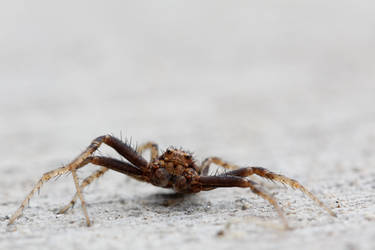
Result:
pixel 168 151
pixel 187 157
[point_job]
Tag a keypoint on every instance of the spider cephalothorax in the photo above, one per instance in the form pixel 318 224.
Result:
pixel 175 169
pixel 177 160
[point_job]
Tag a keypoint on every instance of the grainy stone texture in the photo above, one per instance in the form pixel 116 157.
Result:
pixel 285 85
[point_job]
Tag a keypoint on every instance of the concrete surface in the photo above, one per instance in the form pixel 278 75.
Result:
pixel 285 85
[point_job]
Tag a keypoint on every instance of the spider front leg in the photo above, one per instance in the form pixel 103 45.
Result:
pixel 123 167
pixel 76 163
pixel 212 182
pixel 87 181
pixel 109 163
pixel 262 172
pixel 125 150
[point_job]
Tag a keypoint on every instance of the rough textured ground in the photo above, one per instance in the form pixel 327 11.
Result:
pixel 288 86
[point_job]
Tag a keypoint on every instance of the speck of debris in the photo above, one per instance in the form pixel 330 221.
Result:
pixel 220 233
pixel 189 211
pixel 4 218
pixel 338 204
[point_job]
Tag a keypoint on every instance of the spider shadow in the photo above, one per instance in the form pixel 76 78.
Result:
pixel 159 200
pixel 175 200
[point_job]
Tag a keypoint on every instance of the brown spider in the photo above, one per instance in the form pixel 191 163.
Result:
pixel 174 169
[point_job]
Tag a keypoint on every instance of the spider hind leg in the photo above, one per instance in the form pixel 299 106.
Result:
pixel 262 172
pixel 212 182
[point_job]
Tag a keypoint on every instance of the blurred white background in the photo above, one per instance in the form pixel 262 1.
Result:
pixel 193 73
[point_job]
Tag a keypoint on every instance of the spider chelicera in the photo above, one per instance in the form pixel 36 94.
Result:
pixel 175 169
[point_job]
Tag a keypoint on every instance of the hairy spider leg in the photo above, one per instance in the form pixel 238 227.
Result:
pixel 154 155
pixel 205 167
pixel 57 172
pixel 212 182
pixel 125 150
pixel 244 172
pixel 87 181
pixel 109 163
pixel 76 183
pixel 117 165
pixel 97 174
pixel 262 172
pixel 153 147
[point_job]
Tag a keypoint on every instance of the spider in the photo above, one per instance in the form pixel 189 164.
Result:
pixel 175 169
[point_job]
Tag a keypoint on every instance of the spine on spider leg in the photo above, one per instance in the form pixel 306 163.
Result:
pixel 126 150
pixel 26 201
pixel 47 176
pixel 290 182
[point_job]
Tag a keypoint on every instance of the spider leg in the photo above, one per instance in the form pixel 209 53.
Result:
pixel 77 162
pixel 87 181
pixel 212 182
pixel 83 203
pixel 244 172
pixel 37 186
pixel 107 163
pixel 45 177
pixel 123 167
pixel 125 150
pixel 152 146
pixel 205 167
